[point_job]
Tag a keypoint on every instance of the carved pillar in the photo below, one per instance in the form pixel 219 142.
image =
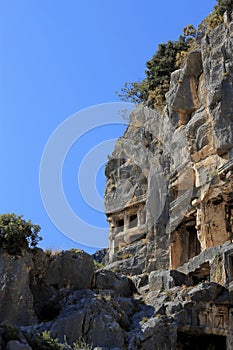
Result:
pixel 111 239
pixel 212 224
pixel 141 216
pixel 126 221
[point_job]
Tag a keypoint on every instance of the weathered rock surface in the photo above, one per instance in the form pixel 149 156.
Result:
pixel 16 298
pixel 112 314
pixel 169 202
pixel 206 292
pixel 165 279
pixel 176 212
pixel 54 276
pixel 103 319
pixel 131 260
pixel 70 269
pixel 32 284
pixel 179 164
pixel 16 345
pixel 108 280
pixel 84 313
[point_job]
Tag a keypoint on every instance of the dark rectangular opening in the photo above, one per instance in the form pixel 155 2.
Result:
pixel 184 243
pixel 133 221
pixel 194 246
pixel 120 225
pixel 188 341
pixel 230 268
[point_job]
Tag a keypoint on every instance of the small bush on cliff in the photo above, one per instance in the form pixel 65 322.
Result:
pixel 17 234
pixel 223 6
pixel 80 344
pixel 167 59
pixel 9 332
pixel 216 16
pixel 43 341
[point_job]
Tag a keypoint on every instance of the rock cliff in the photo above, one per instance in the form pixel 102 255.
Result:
pixel 168 281
pixel 170 173
pixel 169 195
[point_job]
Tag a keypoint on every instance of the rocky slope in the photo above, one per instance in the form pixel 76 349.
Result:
pixel 65 295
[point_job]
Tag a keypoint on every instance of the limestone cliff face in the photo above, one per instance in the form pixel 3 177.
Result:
pixel 169 202
pixel 169 188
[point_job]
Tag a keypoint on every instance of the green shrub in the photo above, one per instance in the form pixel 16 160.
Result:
pixel 80 344
pixel 216 16
pixel 223 6
pixel 17 234
pixel 144 320
pixel 115 269
pixel 214 19
pixel 44 341
pixel 10 332
pixel 76 250
pixel 98 265
pixel 167 59
pixel 134 92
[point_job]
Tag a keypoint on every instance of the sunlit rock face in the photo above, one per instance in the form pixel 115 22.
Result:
pixel 169 180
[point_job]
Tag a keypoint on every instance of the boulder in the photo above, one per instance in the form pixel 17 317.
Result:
pixel 206 292
pixel 16 298
pixel 167 279
pixel 95 317
pixel 131 260
pixel 70 269
pixel 122 285
pixel 182 96
pixel 172 308
pixel 16 345
pixel 155 335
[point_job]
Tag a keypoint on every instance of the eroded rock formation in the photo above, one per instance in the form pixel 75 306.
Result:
pixel 176 167
pixel 169 182
pixel 168 284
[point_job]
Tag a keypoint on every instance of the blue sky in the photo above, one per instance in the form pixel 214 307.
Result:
pixel 58 58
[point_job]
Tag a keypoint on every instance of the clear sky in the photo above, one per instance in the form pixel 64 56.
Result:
pixel 58 58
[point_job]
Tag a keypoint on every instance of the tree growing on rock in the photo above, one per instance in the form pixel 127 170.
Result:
pixel 215 18
pixel 168 58
pixel 224 5
pixel 17 234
